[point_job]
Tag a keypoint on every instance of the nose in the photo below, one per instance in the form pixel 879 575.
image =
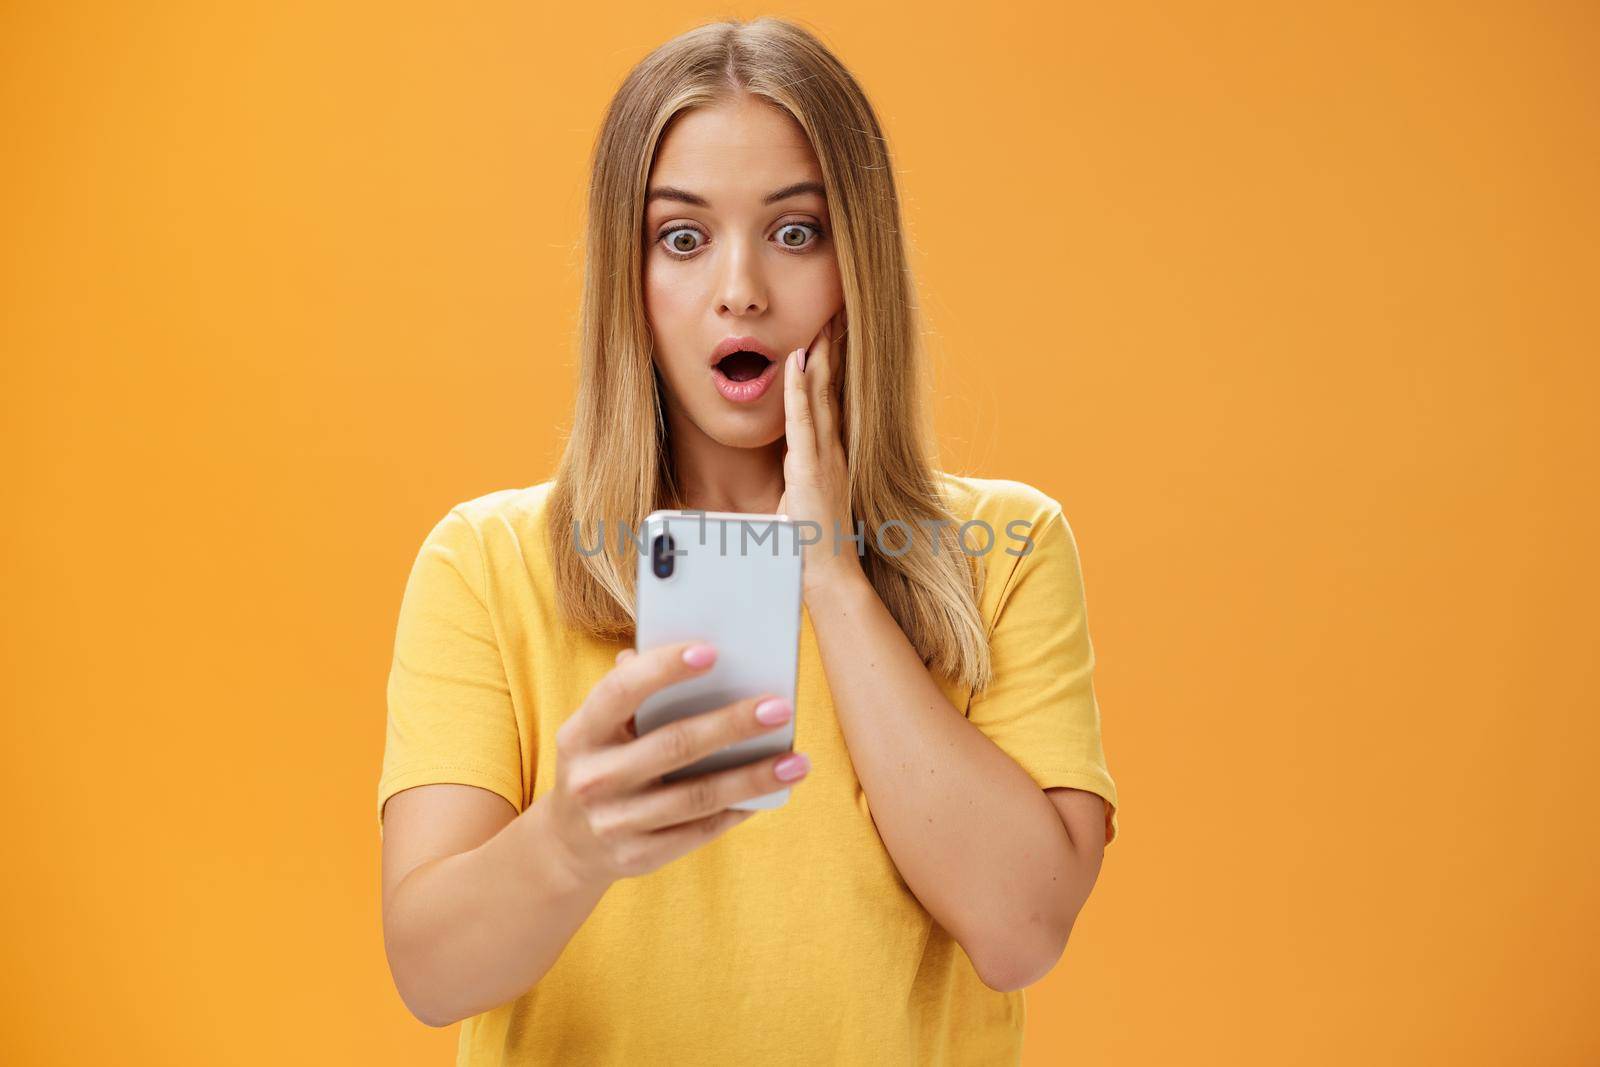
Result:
pixel 741 288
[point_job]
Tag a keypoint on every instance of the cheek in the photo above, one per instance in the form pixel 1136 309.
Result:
pixel 668 311
pixel 669 296
pixel 820 283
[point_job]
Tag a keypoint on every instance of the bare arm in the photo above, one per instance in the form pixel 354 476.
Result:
pixel 1001 865
pixel 984 849
pixel 478 901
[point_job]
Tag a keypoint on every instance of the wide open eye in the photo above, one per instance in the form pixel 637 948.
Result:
pixel 801 227
pixel 675 242
pixel 676 245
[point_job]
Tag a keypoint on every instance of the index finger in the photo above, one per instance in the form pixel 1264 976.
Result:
pixel 820 373
pixel 615 697
pixel 799 434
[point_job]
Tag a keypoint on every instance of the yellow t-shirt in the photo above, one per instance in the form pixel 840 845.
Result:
pixel 792 937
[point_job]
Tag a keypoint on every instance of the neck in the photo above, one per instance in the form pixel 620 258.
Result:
pixel 713 476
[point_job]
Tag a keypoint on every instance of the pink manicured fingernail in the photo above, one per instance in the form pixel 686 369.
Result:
pixel 803 355
pixel 773 712
pixel 791 767
pixel 699 655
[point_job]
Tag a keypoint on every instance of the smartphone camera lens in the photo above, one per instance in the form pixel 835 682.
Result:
pixel 661 555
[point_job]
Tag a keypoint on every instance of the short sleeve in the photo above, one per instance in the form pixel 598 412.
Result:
pixel 450 713
pixel 1040 708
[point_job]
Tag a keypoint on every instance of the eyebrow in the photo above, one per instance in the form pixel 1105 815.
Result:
pixel 669 192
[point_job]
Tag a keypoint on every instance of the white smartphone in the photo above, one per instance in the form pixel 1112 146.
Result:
pixel 733 580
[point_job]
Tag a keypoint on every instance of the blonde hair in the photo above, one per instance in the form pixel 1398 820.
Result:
pixel 617 461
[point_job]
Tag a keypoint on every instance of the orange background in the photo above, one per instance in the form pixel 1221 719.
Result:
pixel 1292 308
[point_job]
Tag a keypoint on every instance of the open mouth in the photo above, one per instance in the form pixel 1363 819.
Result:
pixel 743 366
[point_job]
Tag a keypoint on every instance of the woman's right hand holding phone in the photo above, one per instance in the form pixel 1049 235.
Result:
pixel 611 812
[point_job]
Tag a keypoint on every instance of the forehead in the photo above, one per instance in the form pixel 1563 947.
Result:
pixel 737 150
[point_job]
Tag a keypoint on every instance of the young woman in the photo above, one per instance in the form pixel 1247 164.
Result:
pixel 950 799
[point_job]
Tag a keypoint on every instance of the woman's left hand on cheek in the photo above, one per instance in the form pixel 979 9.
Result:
pixel 816 473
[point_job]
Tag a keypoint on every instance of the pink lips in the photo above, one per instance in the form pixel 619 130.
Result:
pixel 744 392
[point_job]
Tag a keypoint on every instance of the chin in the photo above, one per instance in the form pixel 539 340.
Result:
pixel 750 432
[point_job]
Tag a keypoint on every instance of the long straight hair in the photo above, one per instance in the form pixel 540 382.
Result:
pixel 617 464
